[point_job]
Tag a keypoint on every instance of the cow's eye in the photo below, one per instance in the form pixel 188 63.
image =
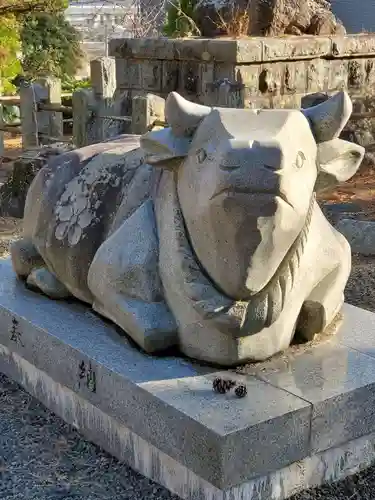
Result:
pixel 300 159
pixel 201 155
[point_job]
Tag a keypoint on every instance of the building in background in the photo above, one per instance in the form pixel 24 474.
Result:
pixel 99 20
pixel 357 15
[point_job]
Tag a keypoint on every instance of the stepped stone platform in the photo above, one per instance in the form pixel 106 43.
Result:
pixel 309 416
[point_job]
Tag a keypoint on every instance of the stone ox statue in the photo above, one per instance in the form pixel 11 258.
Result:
pixel 204 235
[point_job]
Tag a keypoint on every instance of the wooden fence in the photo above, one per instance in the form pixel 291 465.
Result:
pixel 95 113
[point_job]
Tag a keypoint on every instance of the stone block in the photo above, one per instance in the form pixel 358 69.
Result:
pixel 356 73
pixel 170 76
pixel 298 47
pixel 271 78
pixel 353 45
pixel 317 75
pixel 189 84
pixel 103 77
pixel 243 51
pixel 188 49
pixel 191 49
pixel 53 119
pixel 207 74
pixel 235 51
pixel 151 72
pixel 248 76
pixel 128 74
pixel 338 75
pixel 295 77
pixel 224 70
pixel 166 401
pixel 30 126
pixel 370 73
pixel 117 439
pixel 142 48
pixel 338 381
pixel 160 415
pixel 226 418
pixel 126 97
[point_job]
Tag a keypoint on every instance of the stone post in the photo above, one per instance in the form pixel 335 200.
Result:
pixel 145 110
pixel 141 115
pixel 83 103
pixel 224 94
pixel 29 122
pixel 103 77
pixel 103 80
pixel 53 119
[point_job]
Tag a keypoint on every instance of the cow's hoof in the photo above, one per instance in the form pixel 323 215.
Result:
pixel 43 280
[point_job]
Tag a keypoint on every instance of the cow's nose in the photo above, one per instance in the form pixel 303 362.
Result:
pixel 236 155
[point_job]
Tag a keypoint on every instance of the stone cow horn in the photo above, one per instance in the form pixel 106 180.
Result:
pixel 184 116
pixel 328 119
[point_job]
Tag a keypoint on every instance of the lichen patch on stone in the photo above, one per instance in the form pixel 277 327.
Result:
pixel 80 202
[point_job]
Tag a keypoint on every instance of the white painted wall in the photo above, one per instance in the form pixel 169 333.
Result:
pixel 357 15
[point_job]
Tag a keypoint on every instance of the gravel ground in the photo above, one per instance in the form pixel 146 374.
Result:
pixel 42 458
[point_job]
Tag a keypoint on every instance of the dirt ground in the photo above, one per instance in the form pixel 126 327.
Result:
pixel 42 458
pixel 13 148
pixel 360 190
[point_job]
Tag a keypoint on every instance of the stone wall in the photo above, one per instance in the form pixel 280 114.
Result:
pixel 266 72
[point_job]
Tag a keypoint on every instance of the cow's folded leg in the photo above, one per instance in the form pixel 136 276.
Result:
pixel 43 280
pixel 124 280
pixel 321 308
pixel 25 257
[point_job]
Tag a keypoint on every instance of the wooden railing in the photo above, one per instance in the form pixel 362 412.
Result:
pixel 95 113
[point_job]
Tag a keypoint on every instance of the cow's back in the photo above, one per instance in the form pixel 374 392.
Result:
pixel 76 199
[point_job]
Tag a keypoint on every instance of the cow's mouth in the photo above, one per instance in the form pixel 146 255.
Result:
pixel 264 193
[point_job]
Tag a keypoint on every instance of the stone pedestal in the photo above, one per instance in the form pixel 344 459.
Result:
pixel 308 417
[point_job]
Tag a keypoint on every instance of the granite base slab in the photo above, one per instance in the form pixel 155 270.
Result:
pixel 160 415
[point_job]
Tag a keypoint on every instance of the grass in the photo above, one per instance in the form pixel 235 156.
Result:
pixel 236 22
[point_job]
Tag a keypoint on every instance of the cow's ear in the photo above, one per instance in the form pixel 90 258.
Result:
pixel 338 161
pixel 163 149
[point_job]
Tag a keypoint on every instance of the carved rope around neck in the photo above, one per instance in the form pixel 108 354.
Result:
pixel 265 307
pixel 228 315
